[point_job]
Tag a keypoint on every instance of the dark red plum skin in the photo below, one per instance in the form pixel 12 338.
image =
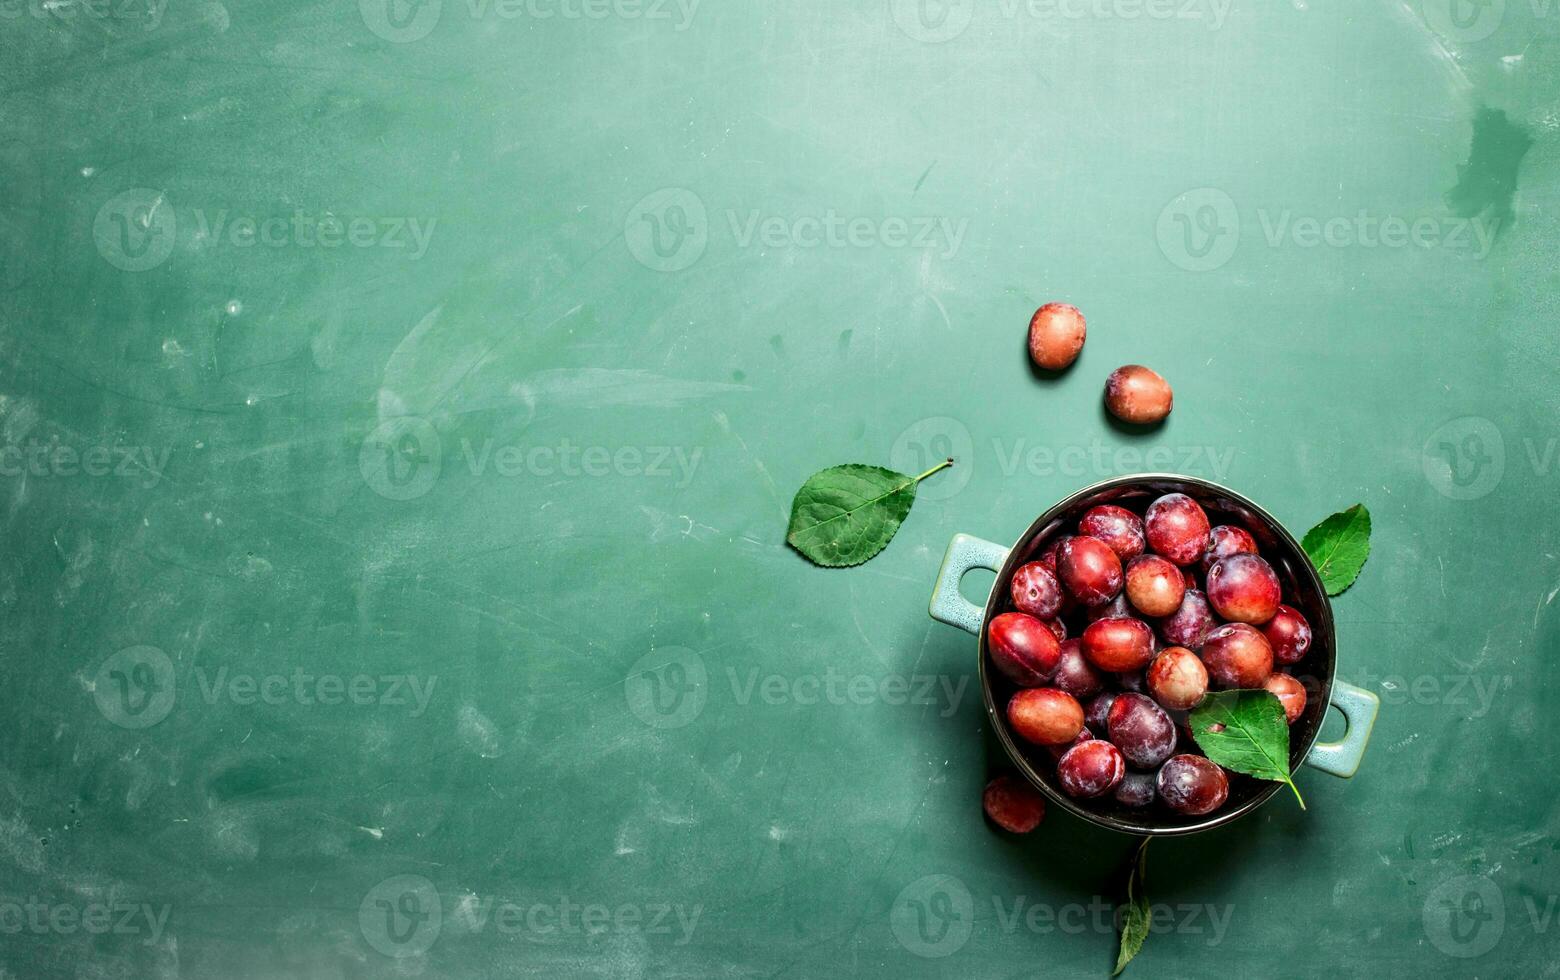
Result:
pixel 1237 656
pixel 1136 789
pixel 1177 528
pixel 1057 751
pixel 1290 693
pixel 1045 716
pixel 1226 540
pixel 1073 673
pixel 1036 591
pixel 1244 589
pixel 1118 527
pixel 1097 710
pixel 1190 625
pixel 1091 768
pixel 1023 648
pixel 1089 569
pixel 1288 634
pixel 1191 785
pixel 1154 586
pixel 1141 730
pixel 1118 645
pixel 1013 804
pixel 1117 608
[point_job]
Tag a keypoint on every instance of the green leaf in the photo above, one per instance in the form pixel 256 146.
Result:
pixel 1134 928
pixel 1245 731
pixel 845 515
pixel 1339 546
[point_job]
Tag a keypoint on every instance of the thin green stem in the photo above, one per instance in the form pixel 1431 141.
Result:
pixel 940 466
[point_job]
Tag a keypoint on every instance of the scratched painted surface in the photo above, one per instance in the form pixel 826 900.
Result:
pixel 400 407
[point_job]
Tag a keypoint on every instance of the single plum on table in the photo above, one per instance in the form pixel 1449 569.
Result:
pixel 1036 591
pixel 1192 785
pixel 1244 588
pixel 1139 395
pixel 1177 679
pixel 1045 716
pixel 1091 768
pixel 1237 656
pixel 1013 804
pixel 1154 586
pixel 1089 569
pixel 1288 634
pixel 1290 694
pixel 1056 335
pixel 1226 540
pixel 1176 528
pixel 1118 645
pixel 1141 730
pixel 1023 648
pixel 1073 673
pixel 1189 625
pixel 1118 527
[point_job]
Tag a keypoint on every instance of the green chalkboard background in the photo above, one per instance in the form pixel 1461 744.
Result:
pixel 400 406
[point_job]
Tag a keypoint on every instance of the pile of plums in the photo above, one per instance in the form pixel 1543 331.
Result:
pixel 1168 607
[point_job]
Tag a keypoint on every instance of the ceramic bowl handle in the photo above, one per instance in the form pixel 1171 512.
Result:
pixel 964 553
pixel 1359 707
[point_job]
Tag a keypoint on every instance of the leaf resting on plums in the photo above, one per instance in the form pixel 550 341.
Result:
pixel 1245 731
pixel 1339 546
pixel 1134 927
pixel 845 515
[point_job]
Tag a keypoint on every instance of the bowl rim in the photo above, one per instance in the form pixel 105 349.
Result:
pixel 997 716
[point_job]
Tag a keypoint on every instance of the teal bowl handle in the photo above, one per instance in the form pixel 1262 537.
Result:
pixel 1359 707
pixel 965 552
